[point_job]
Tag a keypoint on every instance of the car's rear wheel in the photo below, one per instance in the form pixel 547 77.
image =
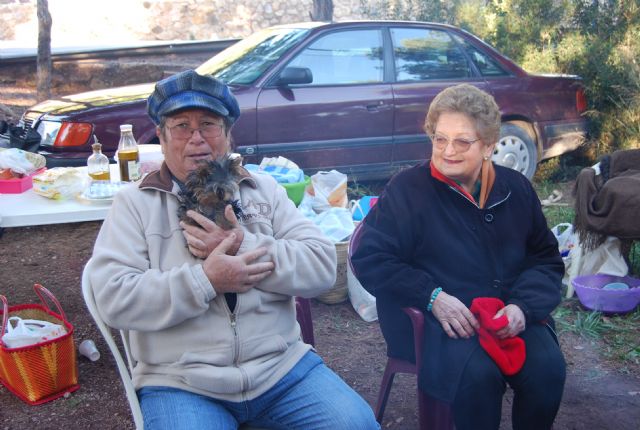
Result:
pixel 516 150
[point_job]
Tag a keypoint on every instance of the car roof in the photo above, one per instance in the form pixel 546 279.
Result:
pixel 349 23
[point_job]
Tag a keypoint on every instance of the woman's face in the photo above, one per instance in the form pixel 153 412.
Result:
pixel 181 153
pixel 460 164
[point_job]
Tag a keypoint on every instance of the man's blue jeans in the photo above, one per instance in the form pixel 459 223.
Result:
pixel 309 397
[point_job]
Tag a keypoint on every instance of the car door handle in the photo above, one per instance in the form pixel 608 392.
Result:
pixel 374 107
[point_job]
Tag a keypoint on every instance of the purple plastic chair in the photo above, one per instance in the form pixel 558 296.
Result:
pixel 303 315
pixel 432 413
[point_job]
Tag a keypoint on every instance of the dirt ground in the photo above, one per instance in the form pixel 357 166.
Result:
pixel 597 395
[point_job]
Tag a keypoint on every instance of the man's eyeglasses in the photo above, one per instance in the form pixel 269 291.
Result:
pixel 460 145
pixel 208 130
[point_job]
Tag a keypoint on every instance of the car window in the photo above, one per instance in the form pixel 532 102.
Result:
pixel 485 64
pixel 424 54
pixel 344 57
pixel 245 61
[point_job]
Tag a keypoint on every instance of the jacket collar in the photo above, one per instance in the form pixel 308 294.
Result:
pixel 163 180
pixel 500 190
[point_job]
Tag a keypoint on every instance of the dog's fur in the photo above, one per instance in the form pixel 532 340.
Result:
pixel 210 188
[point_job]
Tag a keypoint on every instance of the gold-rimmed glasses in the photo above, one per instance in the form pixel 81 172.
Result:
pixel 459 144
pixel 208 130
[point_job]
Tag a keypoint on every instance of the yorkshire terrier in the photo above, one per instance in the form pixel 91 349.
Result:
pixel 210 188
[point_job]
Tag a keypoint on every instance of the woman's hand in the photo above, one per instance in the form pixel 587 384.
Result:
pixel 204 239
pixel 456 319
pixel 235 273
pixel 517 321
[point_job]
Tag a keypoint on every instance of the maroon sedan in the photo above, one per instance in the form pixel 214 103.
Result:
pixel 349 96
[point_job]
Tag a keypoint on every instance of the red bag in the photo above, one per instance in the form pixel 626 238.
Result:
pixel 43 371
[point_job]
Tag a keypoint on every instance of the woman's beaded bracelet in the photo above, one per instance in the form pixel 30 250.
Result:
pixel 433 298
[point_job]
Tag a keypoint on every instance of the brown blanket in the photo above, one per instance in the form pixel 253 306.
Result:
pixel 609 204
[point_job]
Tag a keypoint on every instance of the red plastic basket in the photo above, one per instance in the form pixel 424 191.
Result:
pixel 44 371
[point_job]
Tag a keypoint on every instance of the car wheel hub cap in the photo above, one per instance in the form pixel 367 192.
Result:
pixel 511 152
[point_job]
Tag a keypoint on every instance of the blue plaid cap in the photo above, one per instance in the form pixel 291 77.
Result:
pixel 187 90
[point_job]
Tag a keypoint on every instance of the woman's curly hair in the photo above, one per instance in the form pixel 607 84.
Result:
pixel 471 101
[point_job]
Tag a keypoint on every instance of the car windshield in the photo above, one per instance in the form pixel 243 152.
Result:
pixel 243 62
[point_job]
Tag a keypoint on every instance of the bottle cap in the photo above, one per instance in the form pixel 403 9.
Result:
pixel 126 127
pixel 97 146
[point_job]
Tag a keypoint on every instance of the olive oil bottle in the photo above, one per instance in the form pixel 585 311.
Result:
pixel 128 155
pixel 98 163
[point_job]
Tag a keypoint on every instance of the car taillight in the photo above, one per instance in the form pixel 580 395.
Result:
pixel 73 134
pixel 581 101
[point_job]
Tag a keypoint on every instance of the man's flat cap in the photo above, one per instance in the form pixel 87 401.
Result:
pixel 189 90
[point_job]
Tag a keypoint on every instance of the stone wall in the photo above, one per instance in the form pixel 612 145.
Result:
pixel 121 21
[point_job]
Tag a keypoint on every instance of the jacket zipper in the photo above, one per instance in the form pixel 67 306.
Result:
pixel 236 352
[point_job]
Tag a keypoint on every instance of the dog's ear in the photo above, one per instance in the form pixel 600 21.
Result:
pixel 235 167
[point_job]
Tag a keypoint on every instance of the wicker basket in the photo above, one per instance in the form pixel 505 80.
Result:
pixel 339 292
pixel 44 371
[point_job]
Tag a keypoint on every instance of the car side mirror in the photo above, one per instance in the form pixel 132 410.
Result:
pixel 295 75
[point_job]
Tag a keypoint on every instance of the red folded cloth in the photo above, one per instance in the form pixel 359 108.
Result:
pixel 509 354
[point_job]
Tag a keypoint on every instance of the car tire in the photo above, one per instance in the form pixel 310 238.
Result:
pixel 516 149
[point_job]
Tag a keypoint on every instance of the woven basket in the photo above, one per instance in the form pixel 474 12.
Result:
pixel 339 292
pixel 41 372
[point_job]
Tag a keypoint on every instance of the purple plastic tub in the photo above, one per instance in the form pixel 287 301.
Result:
pixel 592 296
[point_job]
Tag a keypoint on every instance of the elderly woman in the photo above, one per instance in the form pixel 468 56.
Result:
pixel 467 242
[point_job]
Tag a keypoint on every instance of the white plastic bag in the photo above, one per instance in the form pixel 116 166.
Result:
pixel 605 259
pixel 30 332
pixel 329 189
pixel 16 160
pixel 361 300
pixel 335 223
pixel 567 238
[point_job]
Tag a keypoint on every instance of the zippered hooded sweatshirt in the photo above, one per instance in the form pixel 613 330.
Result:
pixel 182 333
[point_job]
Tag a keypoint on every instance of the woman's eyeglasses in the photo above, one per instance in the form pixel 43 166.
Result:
pixel 208 130
pixel 460 145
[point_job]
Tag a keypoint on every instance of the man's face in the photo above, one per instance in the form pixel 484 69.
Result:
pixel 190 136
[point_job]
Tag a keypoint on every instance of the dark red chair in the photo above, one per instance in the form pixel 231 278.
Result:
pixel 303 315
pixel 432 413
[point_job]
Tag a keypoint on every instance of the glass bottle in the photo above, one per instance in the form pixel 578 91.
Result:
pixel 98 163
pixel 128 155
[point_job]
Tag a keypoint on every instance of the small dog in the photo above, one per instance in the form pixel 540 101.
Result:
pixel 210 188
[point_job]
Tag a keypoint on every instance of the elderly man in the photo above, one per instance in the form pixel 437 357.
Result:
pixel 211 311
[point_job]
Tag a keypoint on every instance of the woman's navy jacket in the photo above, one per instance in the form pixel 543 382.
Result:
pixel 423 234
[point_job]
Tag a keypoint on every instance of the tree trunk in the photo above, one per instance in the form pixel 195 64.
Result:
pixel 322 10
pixel 44 51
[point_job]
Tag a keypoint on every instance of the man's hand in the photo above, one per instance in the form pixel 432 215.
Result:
pixel 235 273
pixel 517 321
pixel 204 239
pixel 456 319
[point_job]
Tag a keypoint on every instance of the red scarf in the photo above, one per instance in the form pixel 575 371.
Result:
pixel 487 178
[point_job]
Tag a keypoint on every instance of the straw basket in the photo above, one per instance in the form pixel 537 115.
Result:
pixel 44 371
pixel 339 292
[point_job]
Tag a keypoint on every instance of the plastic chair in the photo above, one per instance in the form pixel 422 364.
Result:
pixel 303 315
pixel 124 370
pixel 432 413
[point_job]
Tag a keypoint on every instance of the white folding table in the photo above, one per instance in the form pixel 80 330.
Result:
pixel 29 208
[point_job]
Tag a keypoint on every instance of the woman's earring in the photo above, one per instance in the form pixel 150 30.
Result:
pixel 486 158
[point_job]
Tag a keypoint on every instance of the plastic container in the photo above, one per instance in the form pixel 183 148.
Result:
pixel 16 185
pixel 616 301
pixel 295 191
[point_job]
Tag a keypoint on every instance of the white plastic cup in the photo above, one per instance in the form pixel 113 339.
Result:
pixel 89 350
